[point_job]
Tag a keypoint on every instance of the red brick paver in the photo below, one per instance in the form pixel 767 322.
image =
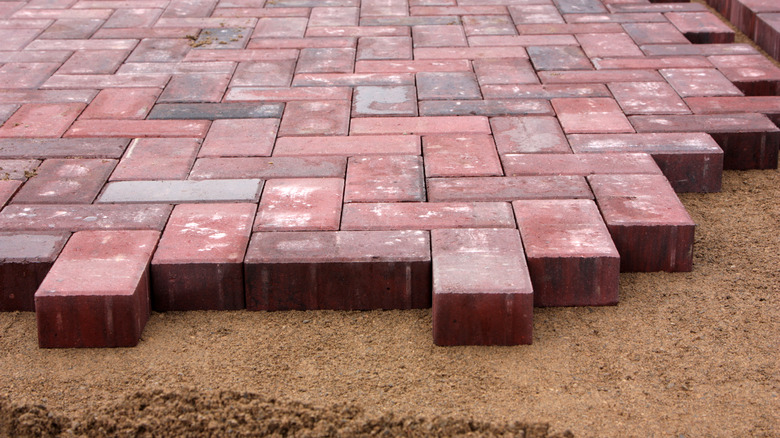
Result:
pixel 474 156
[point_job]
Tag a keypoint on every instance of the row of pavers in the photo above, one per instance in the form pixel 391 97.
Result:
pixel 493 75
pixel 471 266
pixel 758 19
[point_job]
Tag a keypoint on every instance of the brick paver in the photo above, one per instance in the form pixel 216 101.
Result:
pixel 470 155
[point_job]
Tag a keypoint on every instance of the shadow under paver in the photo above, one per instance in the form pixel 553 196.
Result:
pixel 476 158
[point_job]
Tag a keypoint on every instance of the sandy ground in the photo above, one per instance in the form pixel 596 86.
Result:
pixel 683 354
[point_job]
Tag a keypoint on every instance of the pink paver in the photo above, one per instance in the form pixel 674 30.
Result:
pixel 326 60
pixel 699 82
pixel 547 91
pixel 507 188
pixel 277 73
pixel 121 103
pixel 571 257
pixel 106 81
pixel 388 47
pixel 488 25
pixel 41 120
pixel 467 155
pixel 482 293
pixel 654 33
pixel 240 138
pixel 753 74
pixel 341 270
pixel 438 36
pixel 351 79
pixel 78 217
pixel 652 63
pixel 414 66
pixel 427 216
pixel 93 62
pixel 283 94
pixel 66 181
pixel 300 205
pixel 701 27
pixel 505 71
pixel 26 75
pixel 348 145
pixel 7 190
pixel 590 115
pixel 420 125
pixel 328 117
pixel 692 162
pixel 522 40
pixel 395 178
pixel 648 223
pixel 264 168
pixel 528 135
pixel 195 87
pixel 157 158
pixel 97 292
pixel 198 264
pixel 608 45
pixel 648 98
pixel 598 77
pixel 138 128
pixel 433 53
pixel 578 164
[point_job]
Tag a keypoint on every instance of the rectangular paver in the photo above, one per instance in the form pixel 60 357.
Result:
pixel 240 138
pixel 300 204
pixel 341 270
pixel 198 264
pixel 420 125
pixel 426 215
pixel 396 178
pixel 97 292
pixel 692 162
pixel 174 191
pixel 348 145
pixel 25 259
pixel 590 115
pixel 328 117
pixel 648 223
pixel 66 181
pixel 265 168
pixel 510 188
pixel 482 292
pixel 571 257
pixel 748 140
pixel 464 155
pixel 157 158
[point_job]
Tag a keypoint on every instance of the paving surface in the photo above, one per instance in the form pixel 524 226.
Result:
pixel 477 156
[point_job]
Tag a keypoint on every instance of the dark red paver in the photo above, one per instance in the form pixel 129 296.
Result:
pixel 648 223
pixel 25 259
pixel 97 292
pixel 571 257
pixel 482 293
pixel 198 264
pixel 341 270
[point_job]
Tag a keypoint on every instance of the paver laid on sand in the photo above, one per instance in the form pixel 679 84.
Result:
pixel 476 157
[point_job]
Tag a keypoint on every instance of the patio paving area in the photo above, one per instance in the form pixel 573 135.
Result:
pixel 480 157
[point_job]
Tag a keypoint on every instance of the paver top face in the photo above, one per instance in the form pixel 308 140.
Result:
pixel 416 124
